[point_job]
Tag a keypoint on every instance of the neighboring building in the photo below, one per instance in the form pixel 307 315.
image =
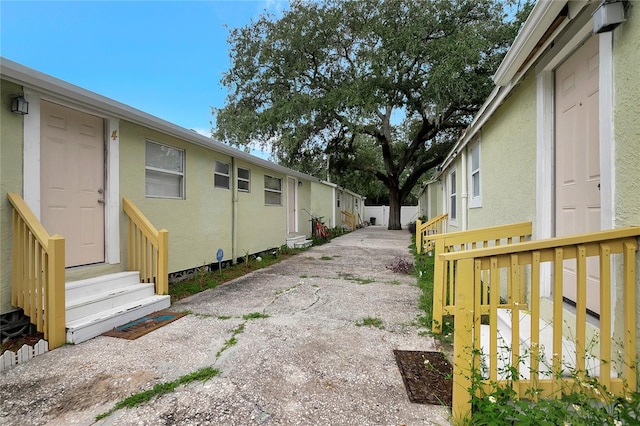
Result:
pixel 76 154
pixel 557 142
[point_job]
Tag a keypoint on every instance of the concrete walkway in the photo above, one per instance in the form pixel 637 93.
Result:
pixel 307 363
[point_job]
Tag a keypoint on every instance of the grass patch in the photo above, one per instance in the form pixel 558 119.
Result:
pixel 370 322
pixel 394 282
pixel 160 389
pixel 255 315
pixel 350 277
pixel 303 276
pixel 224 317
pixel 204 280
pixel 326 258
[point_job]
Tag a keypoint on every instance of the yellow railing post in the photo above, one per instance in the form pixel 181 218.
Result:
pixel 55 322
pixel 463 341
pixel 162 284
pixel 418 236
pixel 438 287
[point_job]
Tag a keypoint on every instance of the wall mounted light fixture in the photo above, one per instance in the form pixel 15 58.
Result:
pixel 19 105
pixel 607 16
pixel 299 183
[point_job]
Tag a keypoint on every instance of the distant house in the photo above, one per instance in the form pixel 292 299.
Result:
pixel 76 155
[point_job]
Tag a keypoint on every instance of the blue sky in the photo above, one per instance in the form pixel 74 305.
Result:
pixel 163 57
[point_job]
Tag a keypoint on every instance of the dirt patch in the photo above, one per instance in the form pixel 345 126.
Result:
pixel 427 376
pixel 15 343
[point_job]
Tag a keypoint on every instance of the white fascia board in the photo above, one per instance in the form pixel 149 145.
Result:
pixel 23 75
pixel 541 17
pixel 331 184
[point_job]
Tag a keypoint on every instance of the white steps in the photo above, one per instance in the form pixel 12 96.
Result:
pixel 96 305
pixel 298 241
pixel 592 364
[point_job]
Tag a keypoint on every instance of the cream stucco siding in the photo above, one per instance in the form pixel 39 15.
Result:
pixel 260 226
pixel 626 57
pixel 322 202
pixel 198 225
pixel 10 181
pixel 508 161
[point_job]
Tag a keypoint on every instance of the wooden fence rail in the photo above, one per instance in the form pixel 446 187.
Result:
pixel 147 248
pixel 349 219
pixel 517 272
pixel 37 273
pixel 444 270
pixel 424 231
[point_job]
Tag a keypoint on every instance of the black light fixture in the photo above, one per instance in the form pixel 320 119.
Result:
pixel 299 183
pixel 19 105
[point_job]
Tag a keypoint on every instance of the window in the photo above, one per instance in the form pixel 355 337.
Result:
pixel 338 200
pixel 452 196
pixel 164 171
pixel 244 180
pixel 474 176
pixel 221 175
pixel 272 191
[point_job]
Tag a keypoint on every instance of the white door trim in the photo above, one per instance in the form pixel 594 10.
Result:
pixel 31 169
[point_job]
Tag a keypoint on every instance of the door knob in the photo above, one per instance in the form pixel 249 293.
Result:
pixel 101 200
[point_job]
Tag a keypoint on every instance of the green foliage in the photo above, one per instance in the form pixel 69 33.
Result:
pixel 255 315
pixel 370 322
pixel 586 402
pixel 160 389
pixel 364 91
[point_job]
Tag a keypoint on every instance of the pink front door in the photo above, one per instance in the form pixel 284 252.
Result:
pixel 72 181
pixel 578 159
pixel 291 205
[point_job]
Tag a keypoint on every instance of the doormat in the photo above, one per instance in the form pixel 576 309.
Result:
pixel 144 325
pixel 427 376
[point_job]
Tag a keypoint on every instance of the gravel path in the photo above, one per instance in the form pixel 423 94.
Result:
pixel 307 363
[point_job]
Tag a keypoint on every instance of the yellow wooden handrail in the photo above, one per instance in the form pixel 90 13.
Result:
pixel 349 219
pixel 37 274
pixel 517 271
pixel 425 231
pixel 147 248
pixel 456 242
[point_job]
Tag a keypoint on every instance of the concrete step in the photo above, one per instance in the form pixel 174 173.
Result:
pixel 107 299
pixel 592 363
pixel 83 288
pixel 303 244
pixel 91 326
pixel 292 240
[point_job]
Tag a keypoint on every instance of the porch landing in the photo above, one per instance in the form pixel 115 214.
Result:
pixel 97 305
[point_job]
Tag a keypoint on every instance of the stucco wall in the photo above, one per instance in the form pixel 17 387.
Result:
pixel 260 227
pixel 322 202
pixel 10 181
pixel 198 225
pixel 508 161
pixel 626 57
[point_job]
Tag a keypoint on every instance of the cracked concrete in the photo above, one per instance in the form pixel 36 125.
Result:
pixel 306 363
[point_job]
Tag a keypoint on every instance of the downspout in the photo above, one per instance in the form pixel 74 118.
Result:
pixel 334 207
pixel 234 212
pixel 465 191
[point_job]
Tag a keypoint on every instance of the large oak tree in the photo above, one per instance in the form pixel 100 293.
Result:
pixel 368 88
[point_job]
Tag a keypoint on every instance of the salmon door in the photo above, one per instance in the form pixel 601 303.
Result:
pixel 72 181
pixel 578 159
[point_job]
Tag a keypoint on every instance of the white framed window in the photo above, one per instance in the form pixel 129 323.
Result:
pixel 272 191
pixel 221 175
pixel 453 196
pixel 338 199
pixel 474 176
pixel 164 171
pixel 244 180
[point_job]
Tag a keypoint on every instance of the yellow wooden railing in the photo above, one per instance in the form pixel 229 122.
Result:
pixel 37 273
pixel 147 248
pixel 444 271
pixel 519 270
pixel 349 219
pixel 424 231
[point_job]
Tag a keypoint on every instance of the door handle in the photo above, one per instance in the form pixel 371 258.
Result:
pixel 101 200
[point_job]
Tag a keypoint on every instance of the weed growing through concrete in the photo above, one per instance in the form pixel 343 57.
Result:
pixel 160 389
pixel 350 277
pixel 326 258
pixel 370 322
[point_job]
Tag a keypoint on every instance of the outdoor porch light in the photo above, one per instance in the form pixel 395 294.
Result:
pixel 299 183
pixel 608 15
pixel 19 105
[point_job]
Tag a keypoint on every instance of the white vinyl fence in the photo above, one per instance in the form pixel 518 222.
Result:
pixel 381 215
pixel 24 354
